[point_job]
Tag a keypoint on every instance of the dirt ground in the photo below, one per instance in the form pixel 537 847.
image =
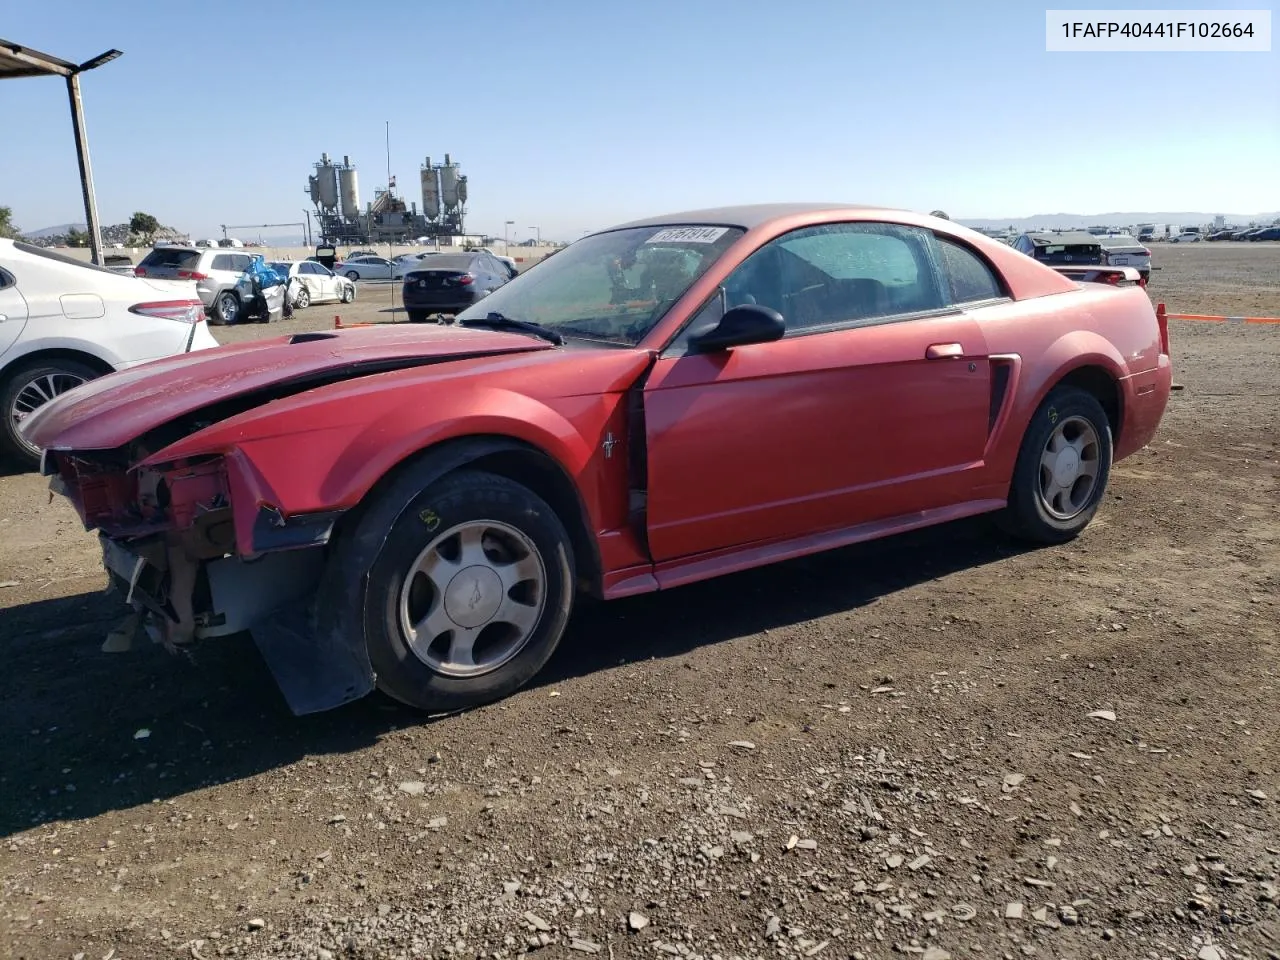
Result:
pixel 936 746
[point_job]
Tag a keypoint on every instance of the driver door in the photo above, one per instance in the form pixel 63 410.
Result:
pixel 874 405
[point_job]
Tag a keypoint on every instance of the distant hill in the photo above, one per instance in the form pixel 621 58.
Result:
pixel 111 234
pixel 61 230
pixel 1067 221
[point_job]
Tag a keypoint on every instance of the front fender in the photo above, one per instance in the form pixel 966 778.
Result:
pixel 442 415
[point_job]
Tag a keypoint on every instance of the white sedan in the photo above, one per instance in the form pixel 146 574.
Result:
pixel 64 322
pixel 311 282
pixel 372 268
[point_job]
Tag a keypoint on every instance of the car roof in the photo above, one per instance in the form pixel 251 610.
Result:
pixel 752 215
pixel 1070 237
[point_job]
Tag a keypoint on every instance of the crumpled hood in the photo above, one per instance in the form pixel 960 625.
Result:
pixel 113 410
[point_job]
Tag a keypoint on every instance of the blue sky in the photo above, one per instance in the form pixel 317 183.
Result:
pixel 574 115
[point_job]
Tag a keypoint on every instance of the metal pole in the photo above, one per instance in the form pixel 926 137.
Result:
pixel 86 171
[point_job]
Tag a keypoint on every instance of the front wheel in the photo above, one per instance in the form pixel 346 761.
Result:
pixel 469 595
pixel 303 299
pixel 348 293
pixel 1062 468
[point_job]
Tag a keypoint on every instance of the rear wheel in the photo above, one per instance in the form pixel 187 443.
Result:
pixel 469 595
pixel 1062 468
pixel 417 316
pixel 27 388
pixel 352 276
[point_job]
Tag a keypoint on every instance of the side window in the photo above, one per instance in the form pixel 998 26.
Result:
pixel 310 268
pixel 6 279
pixel 840 273
pixel 241 262
pixel 970 278
pixel 222 262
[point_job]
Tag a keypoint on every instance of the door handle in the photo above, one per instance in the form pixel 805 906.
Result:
pixel 944 351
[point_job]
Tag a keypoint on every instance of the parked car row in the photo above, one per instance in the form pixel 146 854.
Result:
pixel 1080 248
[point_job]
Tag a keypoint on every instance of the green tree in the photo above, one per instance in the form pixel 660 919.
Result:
pixel 144 225
pixel 7 227
pixel 77 238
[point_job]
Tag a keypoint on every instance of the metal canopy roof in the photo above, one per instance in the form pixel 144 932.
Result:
pixel 18 61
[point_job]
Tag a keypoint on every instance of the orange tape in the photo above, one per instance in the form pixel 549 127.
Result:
pixel 1212 319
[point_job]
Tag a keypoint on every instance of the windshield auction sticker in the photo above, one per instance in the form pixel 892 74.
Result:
pixel 688 235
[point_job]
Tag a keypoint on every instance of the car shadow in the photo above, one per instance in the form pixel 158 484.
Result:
pixel 90 732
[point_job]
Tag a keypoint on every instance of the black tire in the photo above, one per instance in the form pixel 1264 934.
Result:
pixel 348 294
pixel 459 498
pixel 15 381
pixel 352 276
pixel 227 309
pixel 1028 516
pixel 303 299
pixel 417 316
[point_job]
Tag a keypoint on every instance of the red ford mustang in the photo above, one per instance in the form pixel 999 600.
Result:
pixel 415 508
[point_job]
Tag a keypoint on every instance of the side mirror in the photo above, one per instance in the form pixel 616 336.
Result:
pixel 744 324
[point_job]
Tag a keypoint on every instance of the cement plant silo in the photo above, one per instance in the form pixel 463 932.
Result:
pixel 462 191
pixel 430 191
pixel 313 188
pixel 350 187
pixel 449 184
pixel 327 183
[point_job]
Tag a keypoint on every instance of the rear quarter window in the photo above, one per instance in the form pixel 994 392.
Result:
pixel 970 278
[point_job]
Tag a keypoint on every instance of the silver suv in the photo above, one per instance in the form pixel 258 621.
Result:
pixel 227 293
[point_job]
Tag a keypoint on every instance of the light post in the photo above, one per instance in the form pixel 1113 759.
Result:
pixel 505 242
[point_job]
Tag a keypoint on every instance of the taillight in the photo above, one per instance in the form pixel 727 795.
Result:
pixel 465 279
pixel 184 311
pixel 192 275
pixel 139 271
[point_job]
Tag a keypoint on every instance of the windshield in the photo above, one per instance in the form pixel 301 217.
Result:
pixel 612 286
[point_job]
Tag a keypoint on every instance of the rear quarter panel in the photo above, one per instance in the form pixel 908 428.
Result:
pixel 1047 338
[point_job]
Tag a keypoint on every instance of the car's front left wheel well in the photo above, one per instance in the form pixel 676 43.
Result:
pixel 535 470
pixel 514 460
pixel 1102 385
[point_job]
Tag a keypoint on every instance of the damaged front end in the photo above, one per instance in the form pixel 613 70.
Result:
pixel 197 553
